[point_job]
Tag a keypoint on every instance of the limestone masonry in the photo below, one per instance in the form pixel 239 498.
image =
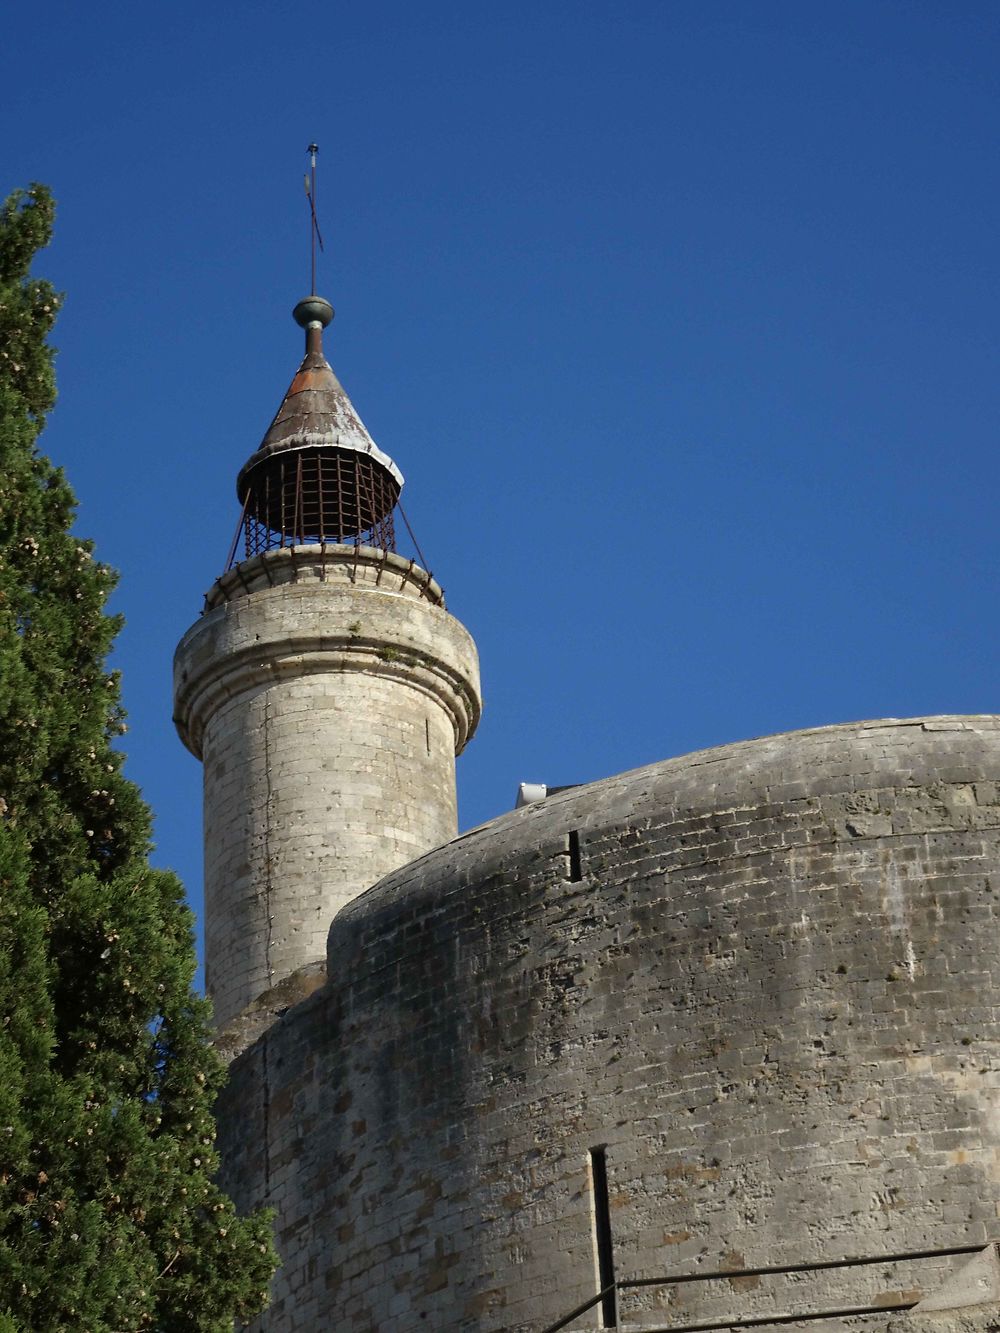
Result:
pixel 327 698
pixel 733 1012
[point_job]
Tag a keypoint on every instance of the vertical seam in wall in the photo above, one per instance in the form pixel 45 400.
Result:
pixel 266 1117
pixel 603 1239
pixel 267 838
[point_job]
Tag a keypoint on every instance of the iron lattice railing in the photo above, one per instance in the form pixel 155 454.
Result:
pixel 299 498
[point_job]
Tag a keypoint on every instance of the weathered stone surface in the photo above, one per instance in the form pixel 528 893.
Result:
pixel 973 1319
pixel 243 1030
pixel 773 994
pixel 327 694
pixel 976 1283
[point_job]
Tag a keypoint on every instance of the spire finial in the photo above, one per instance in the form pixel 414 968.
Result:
pixel 314 231
pixel 313 314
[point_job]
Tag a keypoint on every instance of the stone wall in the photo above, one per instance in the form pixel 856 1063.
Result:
pixel 764 977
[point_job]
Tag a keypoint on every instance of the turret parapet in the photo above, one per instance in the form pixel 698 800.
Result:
pixel 347 564
pixel 318 623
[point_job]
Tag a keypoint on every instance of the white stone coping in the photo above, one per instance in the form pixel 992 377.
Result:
pixel 367 565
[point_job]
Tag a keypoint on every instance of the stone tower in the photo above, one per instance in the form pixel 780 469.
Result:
pixel 325 689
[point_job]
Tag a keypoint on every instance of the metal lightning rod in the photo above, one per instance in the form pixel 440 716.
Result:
pixel 314 231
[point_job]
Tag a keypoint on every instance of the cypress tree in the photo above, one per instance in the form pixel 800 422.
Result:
pixel 109 1216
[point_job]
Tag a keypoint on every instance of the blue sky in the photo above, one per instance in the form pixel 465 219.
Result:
pixel 680 319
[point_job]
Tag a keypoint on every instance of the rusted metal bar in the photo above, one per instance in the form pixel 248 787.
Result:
pixel 762 1320
pixel 420 554
pixel 341 518
pixel 231 558
pixel 357 535
pixel 580 1309
pixel 769 1270
pixel 322 515
pixel 298 519
pixel 776 1270
pixel 373 514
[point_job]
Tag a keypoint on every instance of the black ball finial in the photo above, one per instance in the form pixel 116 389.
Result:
pixel 313 310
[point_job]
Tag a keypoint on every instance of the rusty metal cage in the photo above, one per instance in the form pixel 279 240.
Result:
pixel 315 497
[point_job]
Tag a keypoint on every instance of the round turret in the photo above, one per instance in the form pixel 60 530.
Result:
pixel 325 689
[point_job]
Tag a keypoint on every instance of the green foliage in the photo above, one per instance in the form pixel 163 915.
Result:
pixel 109 1216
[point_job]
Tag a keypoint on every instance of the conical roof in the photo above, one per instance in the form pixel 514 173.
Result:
pixel 316 412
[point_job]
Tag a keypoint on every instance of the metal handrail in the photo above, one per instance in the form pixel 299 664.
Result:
pixel 676 1279
pixel 582 1309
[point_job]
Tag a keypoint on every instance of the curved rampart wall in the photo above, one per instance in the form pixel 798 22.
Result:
pixel 772 994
